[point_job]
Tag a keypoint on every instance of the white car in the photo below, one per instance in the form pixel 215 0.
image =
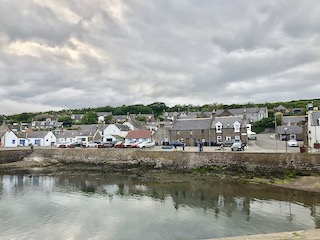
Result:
pixel 293 143
pixel 91 145
pixel 147 144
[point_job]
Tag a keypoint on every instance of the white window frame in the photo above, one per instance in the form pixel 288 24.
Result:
pixel 237 137
pixel 228 138
pixel 218 127
pixel 219 139
pixel 236 126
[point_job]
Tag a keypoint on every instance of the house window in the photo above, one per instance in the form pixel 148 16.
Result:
pixel 218 128
pixel 293 136
pixel 236 126
pixel 190 132
pixel 178 132
pixel 219 139
pixel 13 141
pixel 237 137
pixel 228 138
pixel 202 131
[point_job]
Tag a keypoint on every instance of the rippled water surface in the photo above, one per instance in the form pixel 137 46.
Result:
pixel 120 207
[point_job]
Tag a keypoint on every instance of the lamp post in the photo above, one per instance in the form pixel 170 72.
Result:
pixel 275 128
pixel 285 135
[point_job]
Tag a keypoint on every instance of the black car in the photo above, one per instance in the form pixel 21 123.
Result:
pixel 77 144
pixel 177 143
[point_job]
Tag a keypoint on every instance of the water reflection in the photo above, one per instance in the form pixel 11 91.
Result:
pixel 118 206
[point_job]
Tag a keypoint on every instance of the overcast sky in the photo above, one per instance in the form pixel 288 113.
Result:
pixel 62 54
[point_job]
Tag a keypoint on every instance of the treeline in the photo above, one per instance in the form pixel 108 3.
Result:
pixel 156 108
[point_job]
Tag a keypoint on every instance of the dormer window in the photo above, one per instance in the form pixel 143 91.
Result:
pixel 218 127
pixel 236 126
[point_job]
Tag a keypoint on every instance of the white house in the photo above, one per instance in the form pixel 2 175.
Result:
pixel 10 139
pixel 139 136
pixel 314 130
pixel 41 138
pixel 80 135
pixel 115 130
pixel 102 115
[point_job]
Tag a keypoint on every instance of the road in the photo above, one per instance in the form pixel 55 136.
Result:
pixel 265 143
pixel 268 142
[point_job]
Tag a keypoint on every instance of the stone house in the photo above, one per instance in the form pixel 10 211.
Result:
pixel 191 131
pixel 162 135
pixel 290 132
pixel 228 128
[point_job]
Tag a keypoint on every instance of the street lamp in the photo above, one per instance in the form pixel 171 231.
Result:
pixel 285 135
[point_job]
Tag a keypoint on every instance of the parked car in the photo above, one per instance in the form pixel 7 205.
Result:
pixel 91 145
pixel 147 144
pixel 135 145
pixel 228 143
pixel 106 145
pixel 119 144
pixel 78 144
pixel 177 143
pixel 63 145
pixel 293 143
pixel 128 144
pixel 237 146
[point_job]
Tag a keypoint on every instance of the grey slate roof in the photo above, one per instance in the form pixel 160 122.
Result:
pixel 192 124
pixel 293 120
pixel 290 129
pixel 36 134
pixel 238 111
pixel 68 134
pixel 228 121
pixel 193 115
pixel 123 127
pixel 100 114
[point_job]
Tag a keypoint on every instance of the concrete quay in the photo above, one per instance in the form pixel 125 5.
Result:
pixel 311 234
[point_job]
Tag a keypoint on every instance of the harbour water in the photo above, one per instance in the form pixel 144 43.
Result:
pixel 116 206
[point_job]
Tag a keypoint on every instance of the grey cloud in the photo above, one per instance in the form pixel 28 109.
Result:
pixel 64 54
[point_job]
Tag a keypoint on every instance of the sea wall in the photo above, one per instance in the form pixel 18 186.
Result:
pixel 263 163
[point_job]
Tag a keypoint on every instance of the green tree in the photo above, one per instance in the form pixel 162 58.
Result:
pixel 141 118
pixel 66 119
pixel 108 119
pixel 23 117
pixel 89 118
pixel 264 123
pixel 157 108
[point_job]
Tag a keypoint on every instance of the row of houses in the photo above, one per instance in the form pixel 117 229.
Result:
pixel 215 127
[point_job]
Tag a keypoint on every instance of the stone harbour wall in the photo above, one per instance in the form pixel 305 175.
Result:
pixel 263 163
